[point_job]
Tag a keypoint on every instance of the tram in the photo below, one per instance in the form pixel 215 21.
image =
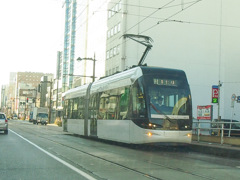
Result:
pixel 140 105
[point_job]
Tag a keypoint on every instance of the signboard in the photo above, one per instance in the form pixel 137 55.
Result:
pixel 238 99
pixel 214 94
pixel 204 112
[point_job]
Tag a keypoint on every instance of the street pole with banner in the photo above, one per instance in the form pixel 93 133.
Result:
pixel 204 113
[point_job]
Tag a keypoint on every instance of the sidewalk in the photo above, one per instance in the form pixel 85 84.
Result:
pixel 216 149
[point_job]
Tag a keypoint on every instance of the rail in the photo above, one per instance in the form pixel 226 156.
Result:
pixel 222 129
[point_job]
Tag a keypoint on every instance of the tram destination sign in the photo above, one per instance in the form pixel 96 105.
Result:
pixel 164 82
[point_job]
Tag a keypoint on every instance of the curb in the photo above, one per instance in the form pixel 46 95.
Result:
pixel 216 149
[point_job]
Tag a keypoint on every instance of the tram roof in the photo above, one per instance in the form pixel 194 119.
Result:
pixel 124 78
pixel 76 92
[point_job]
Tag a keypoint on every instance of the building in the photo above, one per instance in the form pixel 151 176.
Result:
pixel 26 96
pixel 3 98
pixel 69 44
pixel 201 44
pixel 91 27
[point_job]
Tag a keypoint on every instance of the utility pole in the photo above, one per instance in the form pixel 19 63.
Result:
pixel 219 87
pixel 50 103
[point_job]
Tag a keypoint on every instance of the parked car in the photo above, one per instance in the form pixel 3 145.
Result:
pixel 3 123
pixel 235 128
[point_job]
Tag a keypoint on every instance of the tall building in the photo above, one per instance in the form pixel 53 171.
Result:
pixel 184 37
pixel 26 89
pixel 69 44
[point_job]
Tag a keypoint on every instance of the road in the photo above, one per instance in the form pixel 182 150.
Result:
pixel 46 152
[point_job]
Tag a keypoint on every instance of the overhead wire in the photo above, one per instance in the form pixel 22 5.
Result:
pixel 164 19
pixel 149 16
pixel 200 23
pixel 149 7
pixel 159 22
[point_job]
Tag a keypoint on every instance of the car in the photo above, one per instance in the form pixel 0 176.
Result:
pixel 15 117
pixel 3 123
pixel 235 128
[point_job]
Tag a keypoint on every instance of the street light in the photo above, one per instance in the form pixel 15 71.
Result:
pixel 92 59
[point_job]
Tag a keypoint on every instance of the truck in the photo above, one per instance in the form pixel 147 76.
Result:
pixel 39 115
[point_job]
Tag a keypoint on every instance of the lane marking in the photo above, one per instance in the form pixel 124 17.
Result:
pixel 56 158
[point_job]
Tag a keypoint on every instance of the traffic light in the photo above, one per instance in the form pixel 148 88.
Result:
pixel 27 100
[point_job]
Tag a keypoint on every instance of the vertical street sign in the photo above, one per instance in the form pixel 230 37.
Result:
pixel 238 99
pixel 214 94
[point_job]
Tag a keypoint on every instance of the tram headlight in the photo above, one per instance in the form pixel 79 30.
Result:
pixel 151 125
pixel 189 135
pixel 149 134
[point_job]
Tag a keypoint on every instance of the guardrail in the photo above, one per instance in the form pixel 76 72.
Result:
pixel 219 130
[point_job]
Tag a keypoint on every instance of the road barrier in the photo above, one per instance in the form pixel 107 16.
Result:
pixel 217 132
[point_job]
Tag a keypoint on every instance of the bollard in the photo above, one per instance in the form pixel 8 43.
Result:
pixel 198 131
pixel 222 134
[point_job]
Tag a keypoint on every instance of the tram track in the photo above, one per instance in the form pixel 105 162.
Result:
pixel 146 175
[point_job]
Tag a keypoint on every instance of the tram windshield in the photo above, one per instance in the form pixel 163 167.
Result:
pixel 169 101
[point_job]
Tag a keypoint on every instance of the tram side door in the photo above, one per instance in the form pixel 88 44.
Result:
pixel 93 115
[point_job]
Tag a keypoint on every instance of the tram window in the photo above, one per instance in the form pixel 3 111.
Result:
pixel 138 100
pixel 103 106
pixel 75 108
pixel 113 104
pixel 124 102
pixel 81 108
pixel 70 108
pixel 172 100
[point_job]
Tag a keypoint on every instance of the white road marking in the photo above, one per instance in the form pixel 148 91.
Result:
pixel 56 158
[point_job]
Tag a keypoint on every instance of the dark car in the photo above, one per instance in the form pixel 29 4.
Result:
pixel 235 128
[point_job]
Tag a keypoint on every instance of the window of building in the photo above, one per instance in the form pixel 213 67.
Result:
pixel 109 13
pixel 113 11
pixel 111 53
pixel 120 5
pixel 112 32
pixel 115 51
pixel 118 49
pixel 119 27
pixel 115 29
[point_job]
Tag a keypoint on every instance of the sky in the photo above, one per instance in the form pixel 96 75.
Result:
pixel 31 33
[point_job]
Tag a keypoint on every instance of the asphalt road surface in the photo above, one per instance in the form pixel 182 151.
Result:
pixel 46 152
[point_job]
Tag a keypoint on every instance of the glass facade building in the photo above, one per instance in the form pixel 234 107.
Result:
pixel 69 44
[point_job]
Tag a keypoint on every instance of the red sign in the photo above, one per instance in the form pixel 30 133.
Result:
pixel 214 91
pixel 204 112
